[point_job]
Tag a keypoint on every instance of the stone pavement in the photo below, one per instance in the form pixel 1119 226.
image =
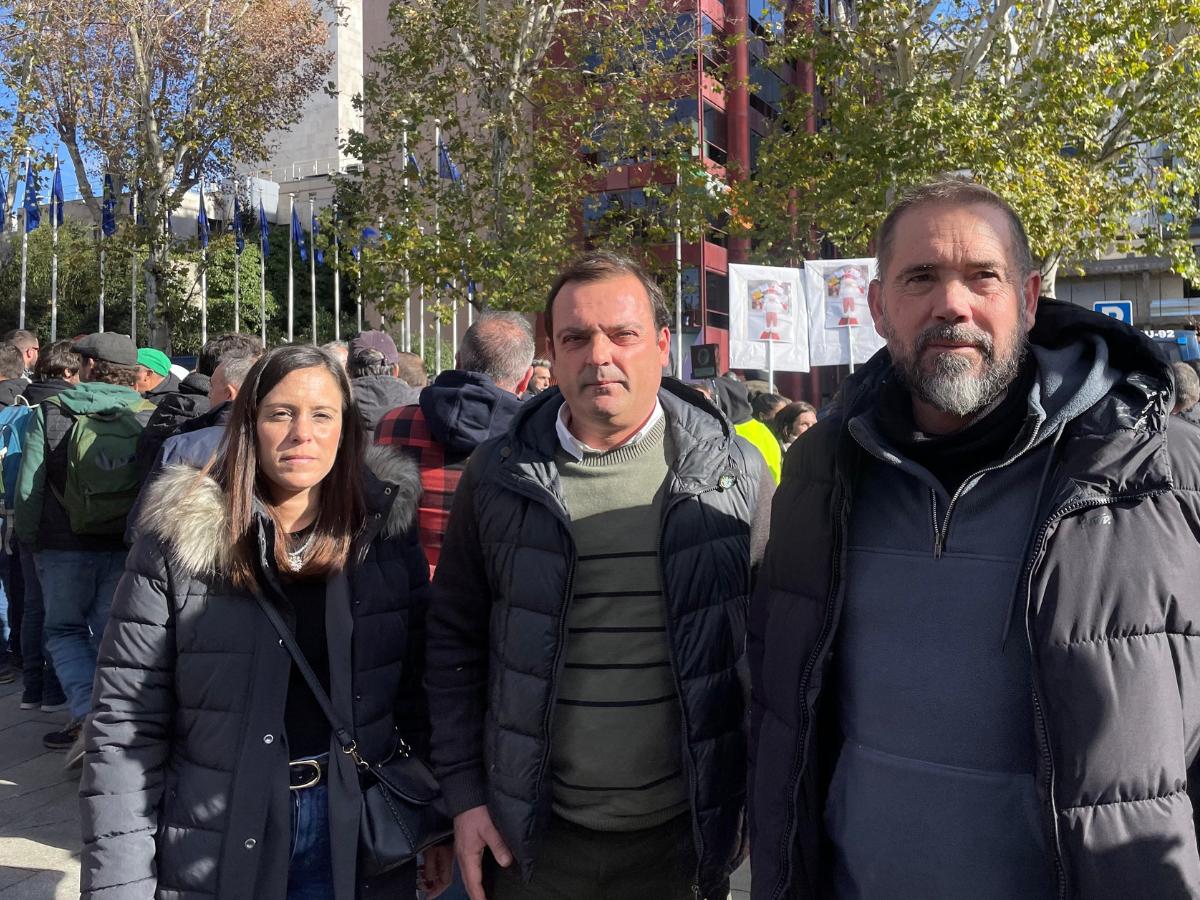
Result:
pixel 39 810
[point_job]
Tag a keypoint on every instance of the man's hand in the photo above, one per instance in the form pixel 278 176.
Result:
pixel 474 833
pixel 437 870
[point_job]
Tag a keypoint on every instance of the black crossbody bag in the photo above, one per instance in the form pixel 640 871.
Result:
pixel 403 812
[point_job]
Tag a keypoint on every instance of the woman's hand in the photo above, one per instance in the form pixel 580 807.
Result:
pixel 436 870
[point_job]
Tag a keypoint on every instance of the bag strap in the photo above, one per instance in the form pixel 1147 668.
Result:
pixel 344 738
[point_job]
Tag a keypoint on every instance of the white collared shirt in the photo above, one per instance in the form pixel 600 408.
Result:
pixel 576 448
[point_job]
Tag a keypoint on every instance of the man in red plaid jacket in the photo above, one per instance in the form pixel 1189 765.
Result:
pixel 460 410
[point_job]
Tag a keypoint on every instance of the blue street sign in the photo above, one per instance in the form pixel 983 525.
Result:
pixel 1121 310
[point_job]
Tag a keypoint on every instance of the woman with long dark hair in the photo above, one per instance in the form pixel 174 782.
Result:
pixel 210 768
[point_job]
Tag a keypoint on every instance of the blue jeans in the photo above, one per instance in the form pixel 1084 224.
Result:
pixel 7 638
pixel 38 676
pixel 310 869
pixel 78 587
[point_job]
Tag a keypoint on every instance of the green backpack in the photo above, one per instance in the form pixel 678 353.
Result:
pixel 102 481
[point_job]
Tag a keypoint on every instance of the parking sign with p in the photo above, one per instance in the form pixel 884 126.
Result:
pixel 1121 310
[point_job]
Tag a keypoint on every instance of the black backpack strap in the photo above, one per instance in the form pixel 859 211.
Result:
pixel 344 737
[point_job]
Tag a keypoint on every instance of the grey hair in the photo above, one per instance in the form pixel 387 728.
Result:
pixel 339 350
pixel 499 345
pixel 238 368
pixel 364 362
pixel 1187 386
pixel 954 190
pixel 541 363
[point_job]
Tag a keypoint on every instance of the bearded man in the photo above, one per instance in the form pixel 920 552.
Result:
pixel 973 640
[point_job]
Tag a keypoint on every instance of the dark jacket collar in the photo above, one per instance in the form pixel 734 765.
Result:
pixel 169 385
pixel 188 511
pixel 696 429
pixel 195 383
pixel 11 389
pixel 1116 440
pixel 38 391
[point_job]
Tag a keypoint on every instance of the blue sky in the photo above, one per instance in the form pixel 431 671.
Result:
pixel 46 144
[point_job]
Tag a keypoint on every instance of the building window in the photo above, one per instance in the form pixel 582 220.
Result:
pixel 715 139
pixel 716 289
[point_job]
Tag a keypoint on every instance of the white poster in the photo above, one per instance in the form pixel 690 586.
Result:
pixel 767 304
pixel 840 329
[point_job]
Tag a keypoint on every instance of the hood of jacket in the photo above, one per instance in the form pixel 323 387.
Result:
pixel 734 399
pixel 195 383
pixel 89 397
pixel 376 395
pixel 187 510
pixel 38 391
pixel 464 409
pixel 1082 355
pixel 11 389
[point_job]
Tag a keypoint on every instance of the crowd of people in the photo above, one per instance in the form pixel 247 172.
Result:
pixel 935 640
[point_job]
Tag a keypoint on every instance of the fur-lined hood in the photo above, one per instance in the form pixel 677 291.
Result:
pixel 187 511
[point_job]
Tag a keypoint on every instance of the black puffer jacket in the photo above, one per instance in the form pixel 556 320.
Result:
pixel 1111 596
pixel 501 593
pixel 185 789
pixel 186 401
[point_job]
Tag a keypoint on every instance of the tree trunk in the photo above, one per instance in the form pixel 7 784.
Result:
pixel 1049 268
pixel 156 269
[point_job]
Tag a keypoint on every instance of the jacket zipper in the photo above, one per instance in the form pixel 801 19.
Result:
pixel 539 494
pixel 798 758
pixel 689 763
pixel 941 531
pixel 1040 723
pixel 548 719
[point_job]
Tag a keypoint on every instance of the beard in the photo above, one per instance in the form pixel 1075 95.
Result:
pixel 949 381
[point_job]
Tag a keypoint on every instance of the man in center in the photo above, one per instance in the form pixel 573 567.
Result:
pixel 586 648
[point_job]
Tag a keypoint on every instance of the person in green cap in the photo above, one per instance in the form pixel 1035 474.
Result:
pixel 155 378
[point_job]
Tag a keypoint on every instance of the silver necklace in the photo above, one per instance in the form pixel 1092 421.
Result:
pixel 295 558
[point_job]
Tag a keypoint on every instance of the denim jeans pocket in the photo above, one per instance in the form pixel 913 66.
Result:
pixel 294 808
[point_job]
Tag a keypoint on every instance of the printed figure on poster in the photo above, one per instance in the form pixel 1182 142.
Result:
pixel 846 296
pixel 840 328
pixel 767 309
pixel 771 307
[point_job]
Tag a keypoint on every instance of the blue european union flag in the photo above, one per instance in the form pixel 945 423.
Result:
pixel 239 238
pixel 33 215
pixel 264 231
pixel 108 209
pixel 298 235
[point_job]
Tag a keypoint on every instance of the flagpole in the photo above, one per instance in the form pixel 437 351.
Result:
pixel 262 274
pixel 421 315
pixel 24 244
pixel 100 305
pixel 291 278
pixel 678 279
pixel 437 242
pixel 203 274
pixel 406 326
pixel 237 275
pixel 379 305
pixel 470 292
pixel 133 270
pixel 337 287
pixel 54 254
pixel 312 260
